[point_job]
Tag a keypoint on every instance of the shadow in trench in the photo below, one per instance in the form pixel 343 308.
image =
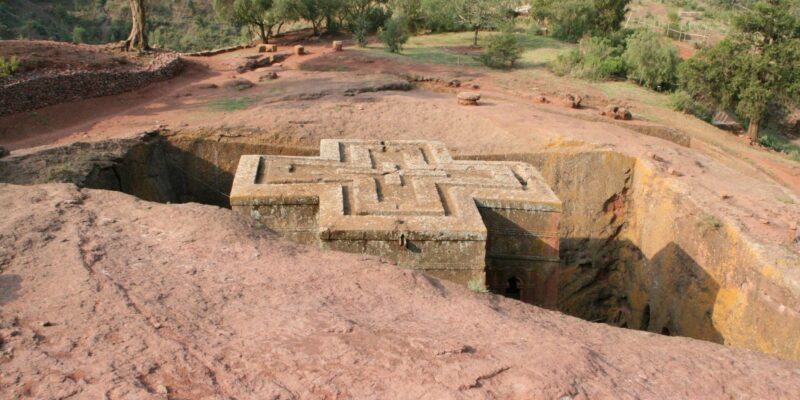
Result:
pixel 668 293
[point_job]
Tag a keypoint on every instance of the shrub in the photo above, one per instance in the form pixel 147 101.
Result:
pixel 595 58
pixel 682 101
pixel 78 35
pixel 651 61
pixel 395 34
pixel 8 66
pixel 502 51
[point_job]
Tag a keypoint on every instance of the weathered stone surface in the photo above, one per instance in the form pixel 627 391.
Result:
pixel 410 202
pixel 268 76
pixel 571 101
pixel 468 98
pixel 299 50
pixel 3 152
pixel 337 45
pixel 617 112
pixel 254 63
pixel 262 48
pixel 238 84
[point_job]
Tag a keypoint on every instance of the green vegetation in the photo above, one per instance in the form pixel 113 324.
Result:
pixel 395 34
pixel 573 19
pixel 8 66
pixel 595 58
pixel 231 104
pixel 756 70
pixel 651 61
pixel 477 286
pixel 502 50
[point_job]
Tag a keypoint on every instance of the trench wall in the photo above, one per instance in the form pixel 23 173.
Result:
pixel 635 250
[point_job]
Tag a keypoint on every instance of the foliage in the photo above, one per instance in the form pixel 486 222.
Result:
pixel 78 34
pixel 477 286
pixel 8 66
pixel 395 34
pixel 683 102
pixel 755 69
pixel 260 16
pixel 651 61
pixel 595 58
pixel 572 19
pixel 502 51
pixel 472 15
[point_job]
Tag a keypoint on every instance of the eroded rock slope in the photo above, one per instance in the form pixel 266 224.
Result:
pixel 107 296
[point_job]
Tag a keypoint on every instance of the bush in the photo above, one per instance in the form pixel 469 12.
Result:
pixel 395 34
pixel 682 101
pixel 595 58
pixel 78 35
pixel 8 66
pixel 651 61
pixel 502 51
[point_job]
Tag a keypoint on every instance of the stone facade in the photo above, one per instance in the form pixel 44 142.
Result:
pixel 411 203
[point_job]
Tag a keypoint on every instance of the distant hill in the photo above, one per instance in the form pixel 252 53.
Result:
pixel 182 25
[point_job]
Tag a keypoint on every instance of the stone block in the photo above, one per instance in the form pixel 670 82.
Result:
pixel 411 203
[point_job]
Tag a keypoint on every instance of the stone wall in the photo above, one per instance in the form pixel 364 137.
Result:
pixel 30 92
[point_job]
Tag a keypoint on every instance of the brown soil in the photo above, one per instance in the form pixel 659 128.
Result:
pixel 41 56
pixel 137 300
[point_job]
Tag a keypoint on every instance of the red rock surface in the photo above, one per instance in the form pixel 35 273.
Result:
pixel 107 296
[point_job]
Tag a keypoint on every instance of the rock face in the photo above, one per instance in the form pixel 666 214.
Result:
pixel 471 222
pixel 144 299
pixel 468 98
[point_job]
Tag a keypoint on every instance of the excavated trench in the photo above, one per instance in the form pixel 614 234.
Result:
pixel 634 253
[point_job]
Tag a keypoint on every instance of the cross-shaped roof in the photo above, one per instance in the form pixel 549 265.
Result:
pixel 382 190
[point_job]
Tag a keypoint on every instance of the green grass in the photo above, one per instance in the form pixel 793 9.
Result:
pixel 774 140
pixel 453 49
pixel 234 104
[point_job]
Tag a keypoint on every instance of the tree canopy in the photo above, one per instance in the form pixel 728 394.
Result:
pixel 756 69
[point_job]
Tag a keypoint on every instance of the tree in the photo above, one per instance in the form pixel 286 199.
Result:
pixel 315 11
pixel 757 68
pixel 651 60
pixel 472 14
pixel 395 34
pixel 573 19
pixel 502 51
pixel 254 14
pixel 137 40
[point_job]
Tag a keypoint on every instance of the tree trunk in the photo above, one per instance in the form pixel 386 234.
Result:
pixel 262 33
pixel 278 32
pixel 137 40
pixel 753 130
pixel 475 39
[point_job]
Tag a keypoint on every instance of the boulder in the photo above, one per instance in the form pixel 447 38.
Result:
pixel 299 50
pixel 571 101
pixel 262 48
pixel 469 98
pixel 253 64
pixel 3 152
pixel 454 83
pixel 238 84
pixel 617 112
pixel 541 100
pixel 337 45
pixel 268 76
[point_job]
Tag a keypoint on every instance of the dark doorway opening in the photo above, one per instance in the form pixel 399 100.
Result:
pixel 512 289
